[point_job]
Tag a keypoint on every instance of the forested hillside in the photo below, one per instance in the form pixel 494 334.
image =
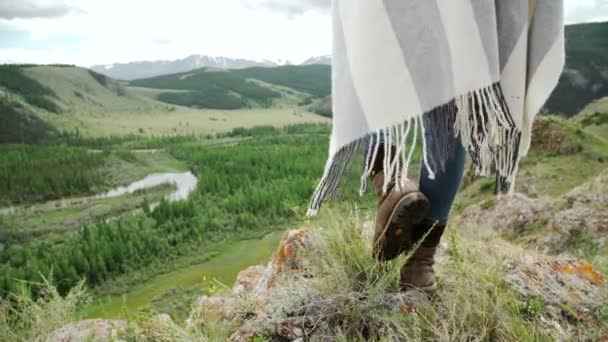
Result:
pixel 585 78
pixel 206 88
pixel 234 89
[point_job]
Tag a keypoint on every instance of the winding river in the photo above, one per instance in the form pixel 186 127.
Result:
pixel 184 182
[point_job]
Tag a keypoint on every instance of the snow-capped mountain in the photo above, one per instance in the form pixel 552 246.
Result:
pixel 318 60
pixel 145 69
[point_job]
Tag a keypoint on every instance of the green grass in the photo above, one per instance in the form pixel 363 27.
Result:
pixel 164 293
pixel 594 118
pixel 542 175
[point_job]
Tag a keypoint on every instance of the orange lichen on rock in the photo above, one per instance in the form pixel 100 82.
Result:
pixel 583 270
pixel 287 254
pixel 560 282
pixel 593 275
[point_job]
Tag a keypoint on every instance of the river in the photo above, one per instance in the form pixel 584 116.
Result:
pixel 184 182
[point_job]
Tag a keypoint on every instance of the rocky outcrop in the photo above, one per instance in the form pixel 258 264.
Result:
pixel 505 213
pixel 89 330
pixel 566 288
pixel 256 282
pixel 581 212
pixel 560 289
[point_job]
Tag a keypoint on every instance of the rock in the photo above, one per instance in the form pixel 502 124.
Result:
pixel 246 333
pixel 288 258
pixel 549 136
pixel 585 219
pixel 162 320
pixel 289 331
pixel 582 211
pixel 248 279
pixel 593 194
pixel 257 282
pixel 217 309
pixel 505 213
pixel 89 330
pixel 566 287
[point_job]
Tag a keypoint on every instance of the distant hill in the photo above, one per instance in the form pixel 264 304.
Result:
pixel 233 89
pixel 41 102
pixel 147 69
pixel 585 77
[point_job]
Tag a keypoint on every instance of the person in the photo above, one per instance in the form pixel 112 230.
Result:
pixel 416 215
pixel 459 77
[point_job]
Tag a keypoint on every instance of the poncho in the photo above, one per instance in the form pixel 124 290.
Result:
pixel 398 62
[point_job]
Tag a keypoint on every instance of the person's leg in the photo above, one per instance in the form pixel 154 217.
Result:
pixel 441 191
pixel 418 272
pixel 399 209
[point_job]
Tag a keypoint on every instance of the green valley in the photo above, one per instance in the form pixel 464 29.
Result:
pixel 45 101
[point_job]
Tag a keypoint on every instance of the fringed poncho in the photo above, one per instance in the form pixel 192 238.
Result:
pixel 397 62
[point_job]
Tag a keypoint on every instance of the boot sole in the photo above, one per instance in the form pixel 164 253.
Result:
pixel 410 210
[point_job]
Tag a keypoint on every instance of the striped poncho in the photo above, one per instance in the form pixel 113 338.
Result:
pixel 398 62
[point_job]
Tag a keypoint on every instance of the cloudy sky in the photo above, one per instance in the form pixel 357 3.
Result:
pixel 88 32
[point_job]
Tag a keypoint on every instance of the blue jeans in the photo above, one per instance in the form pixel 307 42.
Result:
pixel 448 167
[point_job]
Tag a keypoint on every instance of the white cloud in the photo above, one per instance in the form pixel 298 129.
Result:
pixel 123 31
pixel 126 30
pixel 586 11
pixel 11 9
pixel 291 7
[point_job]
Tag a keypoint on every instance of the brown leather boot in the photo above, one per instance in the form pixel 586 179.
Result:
pixel 418 272
pixel 398 212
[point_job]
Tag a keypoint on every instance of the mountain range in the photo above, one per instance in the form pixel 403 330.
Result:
pixel 147 69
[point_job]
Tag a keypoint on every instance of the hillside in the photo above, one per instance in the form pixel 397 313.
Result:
pixel 594 118
pixel 234 89
pixel 585 77
pixel 51 99
pixel 146 69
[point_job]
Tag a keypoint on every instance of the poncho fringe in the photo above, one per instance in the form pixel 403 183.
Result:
pixel 482 123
